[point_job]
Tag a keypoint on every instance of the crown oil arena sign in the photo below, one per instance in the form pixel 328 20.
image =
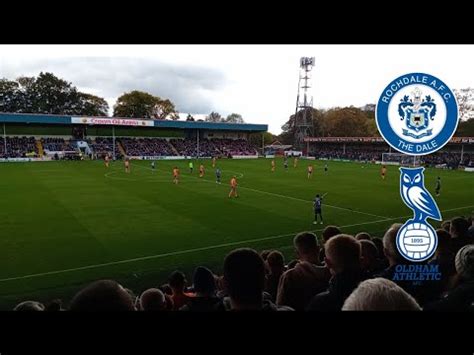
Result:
pixel 112 121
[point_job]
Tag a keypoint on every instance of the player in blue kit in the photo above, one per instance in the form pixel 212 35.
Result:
pixel 218 176
pixel 317 204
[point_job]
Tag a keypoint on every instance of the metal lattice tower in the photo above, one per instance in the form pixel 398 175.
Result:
pixel 304 104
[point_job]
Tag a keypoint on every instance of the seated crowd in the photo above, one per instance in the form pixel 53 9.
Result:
pixel 147 147
pixel 17 147
pixel 449 156
pixel 57 145
pixel 213 147
pixel 340 272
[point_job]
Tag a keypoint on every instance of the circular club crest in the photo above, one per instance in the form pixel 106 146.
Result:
pixel 417 241
pixel 417 114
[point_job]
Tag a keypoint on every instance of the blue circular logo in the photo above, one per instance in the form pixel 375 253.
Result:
pixel 417 114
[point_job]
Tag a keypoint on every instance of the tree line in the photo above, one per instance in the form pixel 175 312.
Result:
pixel 48 94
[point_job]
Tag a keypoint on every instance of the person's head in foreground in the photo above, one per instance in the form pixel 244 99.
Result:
pixel 102 295
pixel 29 306
pixel 390 245
pixel 380 294
pixel 465 263
pixel 152 299
pixel 244 277
pixel 307 247
pixel 343 254
pixel 204 283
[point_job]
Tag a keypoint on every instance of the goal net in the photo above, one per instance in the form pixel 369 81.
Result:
pixel 400 159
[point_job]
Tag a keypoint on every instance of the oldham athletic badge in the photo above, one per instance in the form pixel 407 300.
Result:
pixel 417 114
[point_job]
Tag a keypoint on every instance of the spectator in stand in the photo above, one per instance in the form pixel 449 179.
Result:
pixel 152 299
pixel 369 258
pixel 54 306
pixel 244 277
pixel 444 257
pixel 459 233
pixel 363 236
pixel 177 282
pixel 419 291
pixel 309 277
pixel 380 254
pixel 461 297
pixel 276 266
pixel 328 233
pixel 343 258
pixel 102 295
pixel 29 306
pixel 380 294
pixel 204 286
pixel 446 225
pixel 471 226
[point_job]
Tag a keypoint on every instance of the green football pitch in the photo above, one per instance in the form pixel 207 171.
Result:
pixel 64 224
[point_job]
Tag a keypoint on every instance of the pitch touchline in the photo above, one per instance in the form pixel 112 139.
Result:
pixel 200 249
pixel 171 253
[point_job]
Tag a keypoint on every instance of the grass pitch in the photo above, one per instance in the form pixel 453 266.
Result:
pixel 64 224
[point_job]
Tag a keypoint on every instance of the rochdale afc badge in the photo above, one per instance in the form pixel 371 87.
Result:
pixel 417 114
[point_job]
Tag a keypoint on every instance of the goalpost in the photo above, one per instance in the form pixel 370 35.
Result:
pixel 400 159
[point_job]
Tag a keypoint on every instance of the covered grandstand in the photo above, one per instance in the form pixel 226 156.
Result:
pixel 458 153
pixel 33 137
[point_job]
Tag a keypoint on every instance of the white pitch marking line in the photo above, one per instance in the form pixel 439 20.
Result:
pixel 202 249
pixel 289 197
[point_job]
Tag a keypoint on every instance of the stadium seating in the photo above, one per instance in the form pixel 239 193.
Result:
pixel 18 147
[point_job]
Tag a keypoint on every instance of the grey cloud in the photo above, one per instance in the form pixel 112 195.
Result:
pixel 189 87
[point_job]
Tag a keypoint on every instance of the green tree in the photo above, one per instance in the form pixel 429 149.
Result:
pixel 50 95
pixel 234 118
pixel 164 109
pixel 214 117
pixel 91 105
pixel 137 104
pixel 346 122
pixel 11 97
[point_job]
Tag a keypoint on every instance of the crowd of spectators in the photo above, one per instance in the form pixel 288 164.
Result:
pixel 147 147
pixel 57 145
pixel 213 147
pixel 448 156
pixel 18 147
pixel 329 274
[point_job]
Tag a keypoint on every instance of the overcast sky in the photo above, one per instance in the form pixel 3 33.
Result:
pixel 258 81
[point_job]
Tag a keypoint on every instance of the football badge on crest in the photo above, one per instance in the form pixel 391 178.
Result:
pixel 417 114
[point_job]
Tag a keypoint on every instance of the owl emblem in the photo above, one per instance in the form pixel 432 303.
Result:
pixel 417 239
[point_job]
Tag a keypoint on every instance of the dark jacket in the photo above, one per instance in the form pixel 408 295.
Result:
pixel 340 287
pixel 298 285
pixel 201 304
pixel 459 299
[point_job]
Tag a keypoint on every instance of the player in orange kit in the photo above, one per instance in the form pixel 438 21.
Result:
pixel 273 165
pixel 201 171
pixel 310 171
pixel 383 172
pixel 127 165
pixel 214 162
pixel 106 160
pixel 233 187
pixel 175 175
